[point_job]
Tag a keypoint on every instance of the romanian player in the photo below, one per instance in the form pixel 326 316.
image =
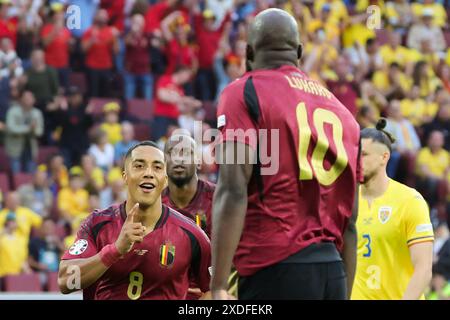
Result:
pixel 288 179
pixel 395 235
pixel 139 249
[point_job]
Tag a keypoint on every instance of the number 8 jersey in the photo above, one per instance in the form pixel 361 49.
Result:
pixel 304 181
pixel 160 267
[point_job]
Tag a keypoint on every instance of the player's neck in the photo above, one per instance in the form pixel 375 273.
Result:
pixel 273 61
pixel 375 187
pixel 148 216
pixel 182 196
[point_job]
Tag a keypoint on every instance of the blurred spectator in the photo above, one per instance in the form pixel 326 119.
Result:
pixel 24 124
pixel 56 39
pixel 42 81
pixel 8 24
pixel 394 51
pixel 13 248
pixel 121 147
pixel 73 201
pixel 441 274
pixel 37 195
pixel 102 150
pixel 137 60
pixel 399 14
pixel 179 52
pixel 100 43
pixel 406 145
pixel 57 173
pixel 439 13
pixel 393 83
pixel 444 75
pixel 432 163
pixel 25 217
pixel 367 117
pixel 93 176
pixel 45 248
pixel 170 100
pixel 425 29
pixel 208 40
pixel 345 88
pixel 417 109
pixel 227 67
pixel 27 38
pixel 114 192
pixel 75 122
pixel 10 63
pixel 111 123
pixel 425 80
pixel 369 57
pixel 440 123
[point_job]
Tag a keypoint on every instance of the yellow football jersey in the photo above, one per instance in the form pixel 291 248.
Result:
pixel 386 230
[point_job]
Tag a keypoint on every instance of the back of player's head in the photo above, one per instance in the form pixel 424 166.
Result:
pixel 274 32
pixel 378 134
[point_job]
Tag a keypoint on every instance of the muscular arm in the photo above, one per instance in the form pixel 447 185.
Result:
pixel 422 260
pixel 350 245
pixel 89 269
pixel 229 209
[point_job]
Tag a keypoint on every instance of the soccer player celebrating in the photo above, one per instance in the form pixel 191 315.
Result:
pixel 186 193
pixel 288 229
pixel 139 249
pixel 395 235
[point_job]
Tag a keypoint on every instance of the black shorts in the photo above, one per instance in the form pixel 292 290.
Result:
pixel 288 280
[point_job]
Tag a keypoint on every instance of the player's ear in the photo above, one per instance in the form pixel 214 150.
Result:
pixel 299 51
pixel 124 176
pixel 166 181
pixel 249 54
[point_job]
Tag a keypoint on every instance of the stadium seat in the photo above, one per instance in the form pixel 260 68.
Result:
pixel 78 79
pixel 21 179
pixel 22 283
pixel 52 282
pixel 45 152
pixel 4 183
pixel 98 104
pixel 140 109
pixel 141 131
pixel 4 163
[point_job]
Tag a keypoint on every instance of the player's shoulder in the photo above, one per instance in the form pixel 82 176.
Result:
pixel 405 193
pixel 101 217
pixel 180 221
pixel 235 88
pixel 207 186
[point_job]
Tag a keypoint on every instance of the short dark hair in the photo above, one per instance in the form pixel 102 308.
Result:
pixel 378 134
pixel 141 144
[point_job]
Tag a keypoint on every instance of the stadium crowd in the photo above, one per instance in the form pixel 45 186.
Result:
pixel 76 91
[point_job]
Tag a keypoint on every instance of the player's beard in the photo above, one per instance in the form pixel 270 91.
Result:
pixel 181 181
pixel 369 176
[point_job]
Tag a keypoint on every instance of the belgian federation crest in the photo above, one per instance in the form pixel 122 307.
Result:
pixel 200 220
pixel 384 213
pixel 166 255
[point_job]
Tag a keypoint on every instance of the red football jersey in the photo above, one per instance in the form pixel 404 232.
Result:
pixel 200 207
pixel 303 186
pixel 158 268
